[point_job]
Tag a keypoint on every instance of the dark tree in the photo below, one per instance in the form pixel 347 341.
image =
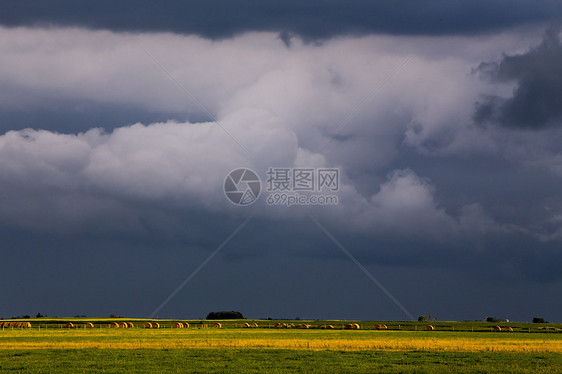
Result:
pixel 539 320
pixel 225 315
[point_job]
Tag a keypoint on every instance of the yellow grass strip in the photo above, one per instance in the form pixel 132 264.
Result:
pixel 468 345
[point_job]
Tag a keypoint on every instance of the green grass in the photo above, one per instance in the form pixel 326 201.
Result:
pixel 272 361
pixel 239 350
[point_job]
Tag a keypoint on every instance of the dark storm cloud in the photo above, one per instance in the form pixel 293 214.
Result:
pixel 73 116
pixel 537 100
pixel 311 19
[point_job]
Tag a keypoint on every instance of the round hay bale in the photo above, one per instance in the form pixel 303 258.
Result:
pixel 217 325
pixel 330 327
pixel 69 325
pixel 130 325
pixel 27 324
pixel 279 325
pixel 254 325
pixel 304 326
pixel 290 325
pixel 155 325
pixel 429 328
pixel 114 325
pixel 185 325
pixel 245 325
pixel 124 325
pixel 508 329
pixel 148 325
pixel 1 324
pixel 178 325
pixel 348 326
pixel 89 324
pixel 497 328
pixel 356 326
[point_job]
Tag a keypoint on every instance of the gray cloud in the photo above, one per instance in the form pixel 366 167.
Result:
pixel 537 99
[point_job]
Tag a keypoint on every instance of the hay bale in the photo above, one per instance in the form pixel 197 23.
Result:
pixel 130 325
pixel 69 325
pixel 178 325
pixel 124 325
pixel 155 325
pixel 217 325
pixel 348 326
pixel 89 324
pixel 356 326
pixel 508 329
pixel 497 328
pixel 114 325
pixel 289 325
pixel 27 325
pixel 254 325
pixel 279 325
pixel 304 326
pixel 429 328
pixel 185 325
pixel 148 325
pixel 245 325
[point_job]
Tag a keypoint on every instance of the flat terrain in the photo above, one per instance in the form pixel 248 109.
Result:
pixel 49 347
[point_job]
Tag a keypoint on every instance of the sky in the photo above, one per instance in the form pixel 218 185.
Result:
pixel 119 124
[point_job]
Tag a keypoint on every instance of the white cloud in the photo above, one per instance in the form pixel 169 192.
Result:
pixel 308 105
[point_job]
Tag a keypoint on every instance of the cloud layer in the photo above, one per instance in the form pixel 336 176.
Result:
pixel 428 178
pixel 313 20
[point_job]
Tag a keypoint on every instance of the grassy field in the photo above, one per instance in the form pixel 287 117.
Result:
pixel 453 347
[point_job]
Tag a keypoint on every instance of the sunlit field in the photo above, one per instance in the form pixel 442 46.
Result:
pixel 317 346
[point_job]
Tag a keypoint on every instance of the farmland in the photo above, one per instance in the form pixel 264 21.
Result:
pixel 49 346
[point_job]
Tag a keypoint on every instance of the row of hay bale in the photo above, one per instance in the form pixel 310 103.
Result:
pixel 352 326
pixel 15 324
pixel 499 329
pixel 181 325
pixel 282 325
pixel 248 325
pixel 381 327
pixel 122 325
